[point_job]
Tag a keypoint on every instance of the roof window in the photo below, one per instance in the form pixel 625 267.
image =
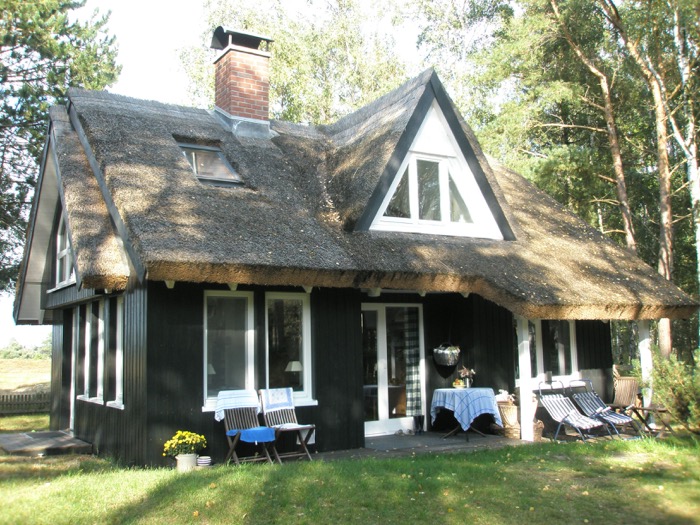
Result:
pixel 210 165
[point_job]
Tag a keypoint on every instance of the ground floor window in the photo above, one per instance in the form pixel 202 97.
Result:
pixel 288 351
pixel 552 348
pixel 229 359
pixel 98 351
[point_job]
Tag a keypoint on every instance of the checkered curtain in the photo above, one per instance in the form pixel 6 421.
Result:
pixel 412 355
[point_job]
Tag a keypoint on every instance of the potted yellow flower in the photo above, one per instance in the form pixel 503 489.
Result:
pixel 184 446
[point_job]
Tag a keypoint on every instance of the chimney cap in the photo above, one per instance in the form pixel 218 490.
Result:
pixel 223 37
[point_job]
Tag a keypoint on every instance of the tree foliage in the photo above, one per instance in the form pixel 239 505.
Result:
pixel 533 85
pixel 324 65
pixel 42 52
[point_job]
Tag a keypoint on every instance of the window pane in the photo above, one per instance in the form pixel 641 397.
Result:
pixel 557 348
pixel 94 313
pixel 399 204
pixel 208 164
pixel 285 354
pixel 532 332
pixel 111 364
pixel 226 343
pixel 458 209
pixel 403 360
pixel 428 190
pixel 370 365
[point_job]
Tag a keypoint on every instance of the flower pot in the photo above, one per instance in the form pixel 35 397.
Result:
pixel 186 462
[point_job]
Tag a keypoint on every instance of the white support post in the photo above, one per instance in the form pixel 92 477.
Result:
pixel 645 359
pixel 527 415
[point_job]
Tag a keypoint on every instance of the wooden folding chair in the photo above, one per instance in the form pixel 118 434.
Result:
pixel 239 409
pixel 279 413
pixel 627 400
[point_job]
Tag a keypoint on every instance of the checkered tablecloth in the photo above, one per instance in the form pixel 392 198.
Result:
pixel 466 403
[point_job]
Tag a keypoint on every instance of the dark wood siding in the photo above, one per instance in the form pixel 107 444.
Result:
pixel 175 360
pixel 121 433
pixel 483 330
pixel 337 344
pixel 60 370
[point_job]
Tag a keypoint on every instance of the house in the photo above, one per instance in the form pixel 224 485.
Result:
pixel 177 252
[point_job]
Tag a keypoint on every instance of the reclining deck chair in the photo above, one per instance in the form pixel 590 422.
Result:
pixel 279 413
pixel 239 409
pixel 627 401
pixel 562 410
pixel 594 407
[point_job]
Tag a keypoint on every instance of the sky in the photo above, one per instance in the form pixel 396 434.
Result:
pixel 150 34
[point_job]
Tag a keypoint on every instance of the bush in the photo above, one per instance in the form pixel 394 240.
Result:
pixel 677 387
pixel 15 350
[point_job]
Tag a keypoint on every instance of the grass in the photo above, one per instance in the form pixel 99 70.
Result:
pixel 24 423
pixel 655 482
pixel 24 374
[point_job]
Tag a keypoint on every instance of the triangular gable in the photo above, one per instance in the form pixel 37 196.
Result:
pixel 434 148
pixel 67 186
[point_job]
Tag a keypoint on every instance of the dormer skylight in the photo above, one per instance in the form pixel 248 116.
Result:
pixel 434 190
pixel 210 165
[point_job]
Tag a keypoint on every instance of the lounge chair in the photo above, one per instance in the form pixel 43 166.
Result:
pixel 279 413
pixel 594 407
pixel 239 409
pixel 562 410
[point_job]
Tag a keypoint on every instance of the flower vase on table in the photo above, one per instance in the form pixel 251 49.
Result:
pixel 465 378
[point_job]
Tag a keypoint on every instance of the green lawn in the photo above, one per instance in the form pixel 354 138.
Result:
pixel 642 481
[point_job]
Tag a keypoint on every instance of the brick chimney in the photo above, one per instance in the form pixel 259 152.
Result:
pixel 242 73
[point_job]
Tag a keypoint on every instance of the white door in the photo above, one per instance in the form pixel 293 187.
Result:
pixel 393 367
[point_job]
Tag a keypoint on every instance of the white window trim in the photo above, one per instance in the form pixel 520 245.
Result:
pixel 118 401
pixel 541 375
pixel 305 396
pixel 435 142
pixel 99 391
pixel 61 281
pixel 210 402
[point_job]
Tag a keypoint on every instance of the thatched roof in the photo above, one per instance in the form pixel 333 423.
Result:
pixel 298 218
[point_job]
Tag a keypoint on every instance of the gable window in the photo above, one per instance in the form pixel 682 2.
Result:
pixel 229 360
pixel 64 256
pixel 434 190
pixel 210 165
pixel 288 327
pixel 427 192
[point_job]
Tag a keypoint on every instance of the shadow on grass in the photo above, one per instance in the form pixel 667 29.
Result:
pixel 548 483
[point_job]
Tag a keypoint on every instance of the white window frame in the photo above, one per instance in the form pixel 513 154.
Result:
pixel 434 142
pixel 305 396
pixel 210 401
pixel 87 358
pixel 118 401
pixel 64 254
pixel 540 375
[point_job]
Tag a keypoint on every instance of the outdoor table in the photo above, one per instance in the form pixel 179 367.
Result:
pixel 467 404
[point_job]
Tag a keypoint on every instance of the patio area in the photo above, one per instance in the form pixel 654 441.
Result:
pixel 425 443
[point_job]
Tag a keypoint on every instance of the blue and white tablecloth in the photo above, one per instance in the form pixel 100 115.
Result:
pixel 466 403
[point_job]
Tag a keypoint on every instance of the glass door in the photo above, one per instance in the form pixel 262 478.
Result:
pixel 393 364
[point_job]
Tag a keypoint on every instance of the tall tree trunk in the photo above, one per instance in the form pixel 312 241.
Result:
pixel 665 260
pixel 611 125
